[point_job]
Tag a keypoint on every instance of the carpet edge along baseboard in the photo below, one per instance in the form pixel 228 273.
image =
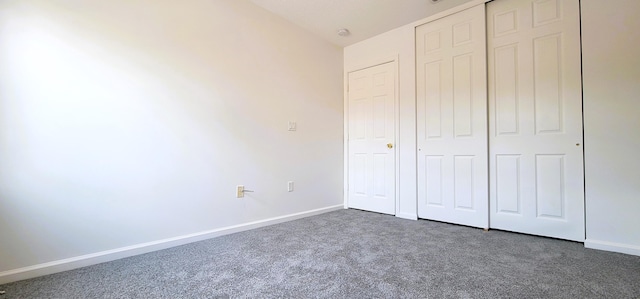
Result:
pixel 127 251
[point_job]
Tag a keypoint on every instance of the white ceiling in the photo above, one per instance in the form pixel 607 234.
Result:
pixel 364 18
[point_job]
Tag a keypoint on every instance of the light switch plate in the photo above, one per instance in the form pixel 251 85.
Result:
pixel 292 125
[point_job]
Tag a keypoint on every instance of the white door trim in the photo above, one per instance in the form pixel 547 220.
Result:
pixel 374 62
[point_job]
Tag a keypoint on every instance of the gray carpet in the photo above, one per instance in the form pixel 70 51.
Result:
pixel 354 254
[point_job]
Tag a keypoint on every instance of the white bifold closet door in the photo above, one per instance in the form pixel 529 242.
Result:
pixel 452 119
pixel 535 117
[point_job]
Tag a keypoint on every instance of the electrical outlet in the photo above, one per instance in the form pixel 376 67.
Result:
pixel 290 186
pixel 239 191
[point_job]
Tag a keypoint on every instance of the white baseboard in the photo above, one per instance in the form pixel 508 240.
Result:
pixel 615 247
pixel 407 216
pixel 118 253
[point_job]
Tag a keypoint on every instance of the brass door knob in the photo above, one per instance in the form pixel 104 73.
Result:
pixel 389 145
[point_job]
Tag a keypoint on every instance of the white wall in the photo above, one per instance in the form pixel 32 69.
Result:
pixel 125 122
pixel 611 67
pixel 396 44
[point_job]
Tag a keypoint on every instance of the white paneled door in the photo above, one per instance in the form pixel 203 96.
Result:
pixel 452 119
pixel 371 140
pixel 535 113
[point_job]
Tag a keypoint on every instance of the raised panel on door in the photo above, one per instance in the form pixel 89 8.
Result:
pixel 508 195
pixel 535 117
pixel 432 107
pixel 550 199
pixel 452 119
pixel 463 183
pixel 433 181
pixel 462 97
pixel 371 122
pixel 505 77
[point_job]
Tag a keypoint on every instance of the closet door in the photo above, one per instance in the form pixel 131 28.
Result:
pixel 535 117
pixel 452 119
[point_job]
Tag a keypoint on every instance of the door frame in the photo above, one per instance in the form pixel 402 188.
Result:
pixel 371 63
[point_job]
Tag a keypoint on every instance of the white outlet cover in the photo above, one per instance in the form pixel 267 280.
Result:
pixel 240 191
pixel 290 186
pixel 292 125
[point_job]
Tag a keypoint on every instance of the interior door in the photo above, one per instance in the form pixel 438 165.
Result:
pixel 371 140
pixel 452 119
pixel 535 108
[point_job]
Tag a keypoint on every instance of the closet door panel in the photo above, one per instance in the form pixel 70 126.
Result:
pixel 535 117
pixel 452 119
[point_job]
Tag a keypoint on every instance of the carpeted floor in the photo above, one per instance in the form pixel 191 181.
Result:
pixel 354 254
